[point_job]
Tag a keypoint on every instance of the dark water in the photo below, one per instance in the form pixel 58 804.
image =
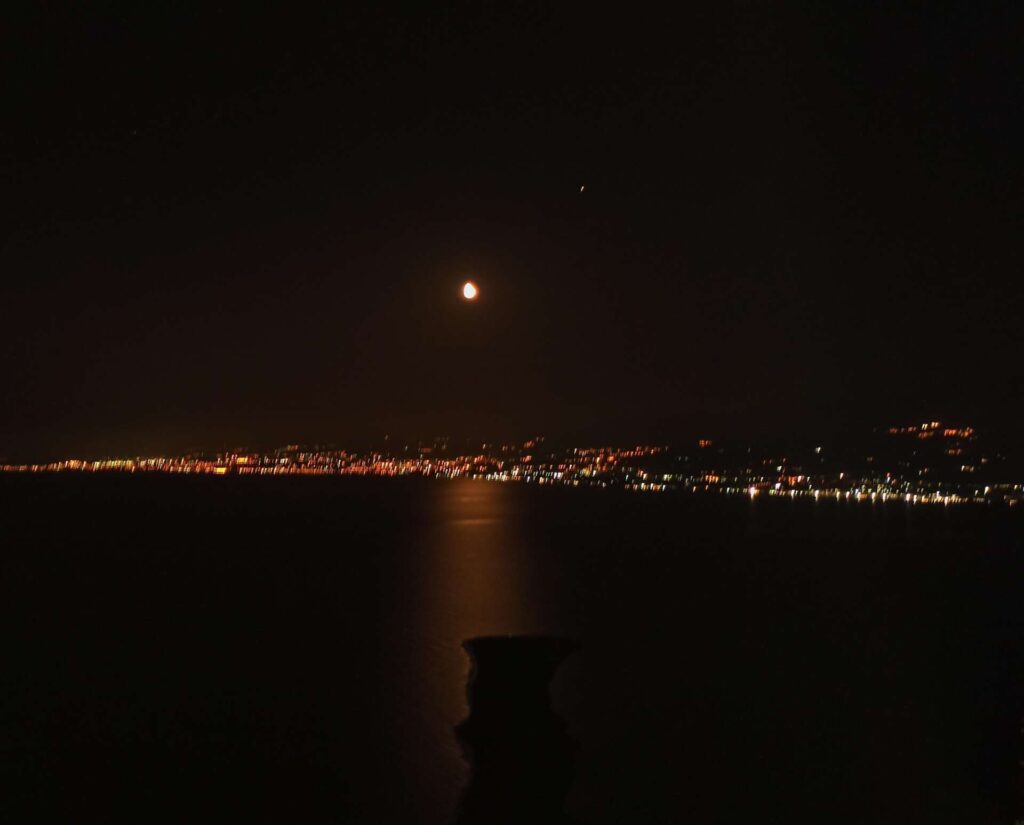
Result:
pixel 290 650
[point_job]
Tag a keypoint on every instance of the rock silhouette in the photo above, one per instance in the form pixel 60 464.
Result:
pixel 519 751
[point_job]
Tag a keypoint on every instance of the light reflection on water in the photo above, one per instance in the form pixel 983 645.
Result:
pixel 682 608
pixel 466 576
pixel 293 648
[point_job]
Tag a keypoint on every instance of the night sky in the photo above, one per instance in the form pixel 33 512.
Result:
pixel 225 227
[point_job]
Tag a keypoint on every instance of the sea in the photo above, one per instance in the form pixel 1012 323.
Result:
pixel 230 649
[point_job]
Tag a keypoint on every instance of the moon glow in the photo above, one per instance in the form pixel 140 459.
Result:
pixel 470 291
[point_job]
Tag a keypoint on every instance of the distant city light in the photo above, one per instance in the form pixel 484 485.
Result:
pixel 644 468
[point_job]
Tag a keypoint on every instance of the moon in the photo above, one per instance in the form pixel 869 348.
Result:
pixel 470 291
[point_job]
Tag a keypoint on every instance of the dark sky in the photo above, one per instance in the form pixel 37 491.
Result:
pixel 226 227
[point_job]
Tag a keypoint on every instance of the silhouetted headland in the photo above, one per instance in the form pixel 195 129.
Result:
pixel 519 751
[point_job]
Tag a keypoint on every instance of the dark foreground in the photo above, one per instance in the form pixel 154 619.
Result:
pixel 200 649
